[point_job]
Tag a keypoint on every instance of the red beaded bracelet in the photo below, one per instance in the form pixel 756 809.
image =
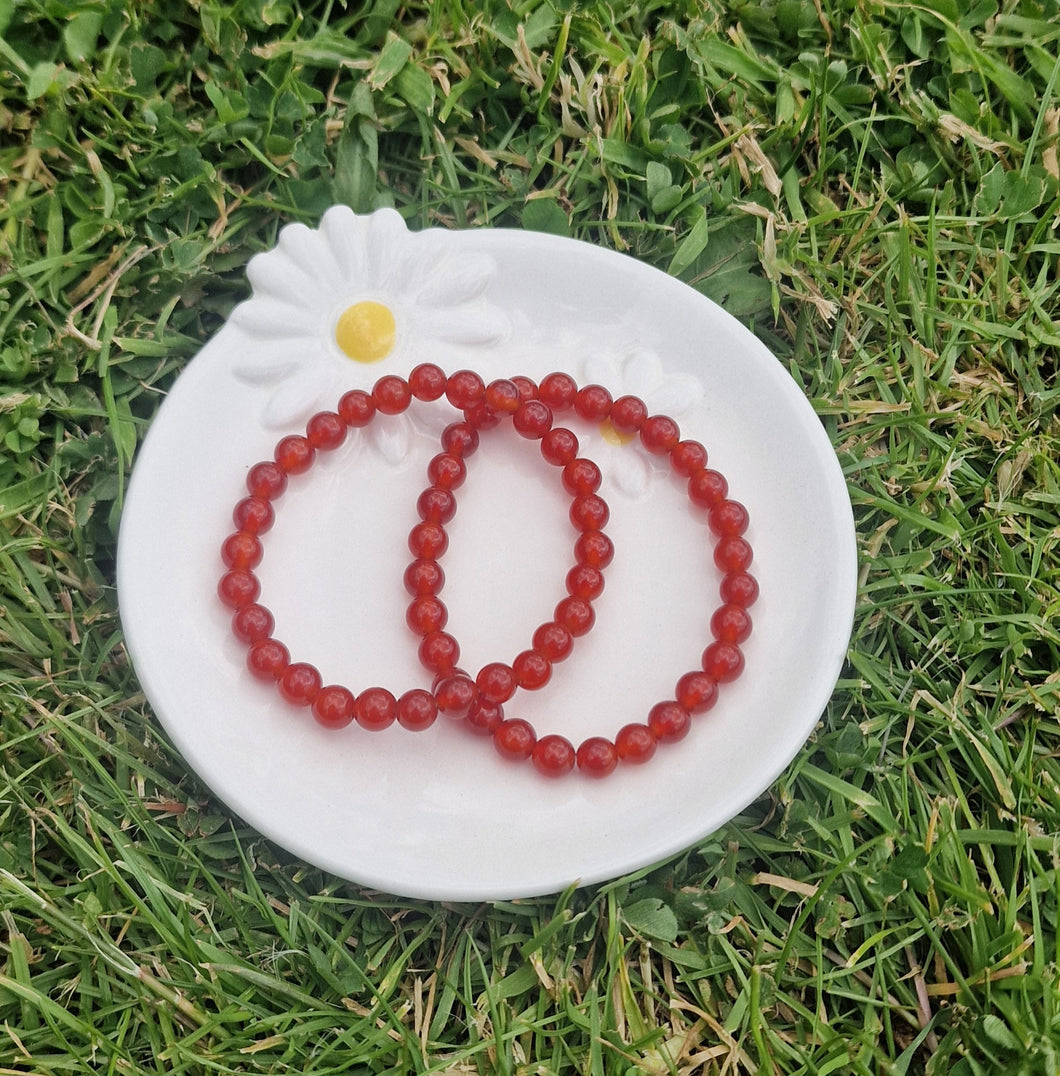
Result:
pixel 696 691
pixel 375 708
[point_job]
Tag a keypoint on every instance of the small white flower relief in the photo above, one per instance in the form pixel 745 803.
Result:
pixel 338 307
pixel 639 373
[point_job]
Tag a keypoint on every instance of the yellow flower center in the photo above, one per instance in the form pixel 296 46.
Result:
pixel 615 437
pixel 366 331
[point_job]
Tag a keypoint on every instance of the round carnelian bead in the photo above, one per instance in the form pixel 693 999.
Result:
pixel 454 695
pixel 728 519
pixel 428 540
pixel 266 480
pixel 391 395
pixel 416 710
pixel 439 652
pixel 588 512
pixel 253 515
pixel 436 505
pixel 427 381
pixel 267 659
pixel 426 614
pixel 532 669
pixel 731 624
pixel 553 756
pixel 356 408
pixel 723 662
pixel 503 396
pixel 484 717
pixel 558 391
pixel 238 587
pixel 496 682
pixel 460 439
pixel 553 641
pixel 295 454
pixel 585 582
pixel 533 419
pixel 326 431
pixel 527 388
pixel 669 722
pixel 446 471
pixel 514 739
pixel 241 550
pixel 739 588
pixel 688 458
pixel 696 692
pixel 333 707
pixel 593 403
pixel 576 615
pixel 733 555
pixel 559 446
pixel 375 709
pixel 594 548
pixel 597 756
pixel 481 415
pixel 464 388
pixel 300 684
pixel 581 477
pixel 707 488
pixel 628 414
pixel 424 577
pixel 252 623
pixel 660 434
pixel 635 743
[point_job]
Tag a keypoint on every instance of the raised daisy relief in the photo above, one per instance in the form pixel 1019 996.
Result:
pixel 639 373
pixel 339 306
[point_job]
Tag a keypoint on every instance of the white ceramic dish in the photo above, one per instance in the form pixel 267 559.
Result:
pixel 438 814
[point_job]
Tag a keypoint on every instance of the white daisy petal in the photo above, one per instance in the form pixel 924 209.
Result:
pixel 341 229
pixel 392 439
pixel 676 395
pixel 600 370
pixel 455 282
pixel 267 370
pixel 630 471
pixel 385 242
pixel 484 325
pixel 261 318
pixel 641 372
pixel 432 419
pixel 282 279
pixel 311 254
pixel 294 401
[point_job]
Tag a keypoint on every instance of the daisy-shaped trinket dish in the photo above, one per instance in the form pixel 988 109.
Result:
pixel 438 813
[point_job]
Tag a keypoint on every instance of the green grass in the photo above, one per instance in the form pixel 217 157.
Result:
pixel 873 188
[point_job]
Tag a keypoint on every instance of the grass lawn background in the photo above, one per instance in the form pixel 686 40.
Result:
pixel 872 188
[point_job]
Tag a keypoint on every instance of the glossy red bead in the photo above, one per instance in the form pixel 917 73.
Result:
pixel 728 519
pixel 628 414
pixel 439 652
pixel 503 396
pixel 514 739
pixel 300 684
pixel 464 388
pixel 731 624
pixel 375 709
pixel 253 515
pixel 252 623
pixel 595 549
pixel 585 582
pixel 424 577
pixel 581 477
pixel 356 408
pixel 669 722
pixel 739 588
pixel 436 505
pixel 553 640
pixel 576 615
pixel 426 614
pixel 660 434
pixel 460 439
pixel 241 550
pixel 553 756
pixel 482 416
pixel 454 695
pixel 427 381
pixel 688 458
pixel 238 587
pixel 326 431
pixel 558 391
pixel 707 488
pixel 428 540
pixel 532 669
pixel 484 717
pixel 559 446
pixel 496 682
pixel 635 743
pixel 267 659
pixel 295 454
pixel 696 692
pixel 723 662
pixel 266 480
pixel 527 388
pixel 446 471
pixel 417 710
pixel 391 395
pixel 588 512
pixel 533 419
pixel 593 403
pixel 333 707
pixel 597 757
pixel 733 555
